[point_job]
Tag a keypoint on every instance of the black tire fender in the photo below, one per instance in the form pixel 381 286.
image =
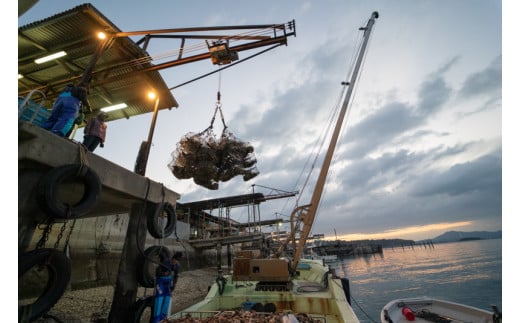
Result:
pixel 138 308
pixel 155 221
pixel 59 271
pixel 47 190
pixel 148 262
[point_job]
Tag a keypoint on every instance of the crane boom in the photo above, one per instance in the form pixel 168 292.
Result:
pixel 307 213
pixel 280 32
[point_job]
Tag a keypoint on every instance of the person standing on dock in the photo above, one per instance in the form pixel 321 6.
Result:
pixel 95 131
pixel 166 276
pixel 65 110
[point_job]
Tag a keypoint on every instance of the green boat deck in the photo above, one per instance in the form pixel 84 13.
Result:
pixel 314 292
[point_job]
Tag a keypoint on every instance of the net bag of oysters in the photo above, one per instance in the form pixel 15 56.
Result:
pixel 210 160
pixel 236 158
pixel 196 157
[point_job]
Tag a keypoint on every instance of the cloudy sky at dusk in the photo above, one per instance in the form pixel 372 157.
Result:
pixel 421 150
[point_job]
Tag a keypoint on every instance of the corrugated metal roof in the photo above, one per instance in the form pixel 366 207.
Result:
pixel 75 32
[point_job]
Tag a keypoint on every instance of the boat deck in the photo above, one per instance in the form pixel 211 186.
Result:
pixel 322 300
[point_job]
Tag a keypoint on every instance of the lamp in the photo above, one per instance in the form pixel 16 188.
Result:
pixel 49 57
pixel 114 107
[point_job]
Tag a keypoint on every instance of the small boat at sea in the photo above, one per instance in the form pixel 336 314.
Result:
pixel 429 310
pixel 285 287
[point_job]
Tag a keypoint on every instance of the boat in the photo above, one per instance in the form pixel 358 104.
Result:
pixel 326 258
pixel 285 286
pixel 426 309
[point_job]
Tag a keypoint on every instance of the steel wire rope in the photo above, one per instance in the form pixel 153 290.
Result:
pixel 203 45
pixel 327 131
pixel 344 129
pixel 342 134
pixel 219 103
pixel 276 190
pixel 321 139
pixel 318 145
pixel 225 67
pixel 359 306
pixel 185 49
pixel 104 305
pixel 362 310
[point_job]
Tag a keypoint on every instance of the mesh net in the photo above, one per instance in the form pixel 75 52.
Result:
pixel 210 160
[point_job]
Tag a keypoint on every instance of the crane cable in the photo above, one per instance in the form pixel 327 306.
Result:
pixel 223 68
pixel 320 142
pixel 354 92
pixel 186 49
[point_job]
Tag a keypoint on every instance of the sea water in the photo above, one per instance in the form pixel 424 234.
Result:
pixel 467 272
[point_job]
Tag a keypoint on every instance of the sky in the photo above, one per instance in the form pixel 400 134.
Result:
pixel 420 152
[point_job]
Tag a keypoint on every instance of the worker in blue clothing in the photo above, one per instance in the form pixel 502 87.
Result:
pixel 166 274
pixel 66 109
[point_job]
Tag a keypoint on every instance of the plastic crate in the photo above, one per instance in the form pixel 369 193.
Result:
pixel 32 112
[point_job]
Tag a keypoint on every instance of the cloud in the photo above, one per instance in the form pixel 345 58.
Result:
pixel 380 128
pixel 483 82
pixel 481 175
pixel 432 95
pixel 391 169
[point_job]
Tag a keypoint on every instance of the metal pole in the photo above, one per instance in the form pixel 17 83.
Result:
pixel 150 136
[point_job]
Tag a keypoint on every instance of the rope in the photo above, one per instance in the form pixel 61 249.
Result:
pixel 344 129
pixel 362 310
pixel 187 49
pixel 83 159
pixel 328 129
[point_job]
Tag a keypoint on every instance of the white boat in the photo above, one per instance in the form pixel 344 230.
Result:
pixel 326 258
pixel 285 287
pixel 427 310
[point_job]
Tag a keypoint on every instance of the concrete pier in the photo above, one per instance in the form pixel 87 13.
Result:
pixel 122 191
pixel 40 150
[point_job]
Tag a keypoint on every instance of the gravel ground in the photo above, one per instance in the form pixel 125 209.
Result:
pixel 93 305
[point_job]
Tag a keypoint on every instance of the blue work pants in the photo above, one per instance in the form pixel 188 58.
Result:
pixel 163 291
pixel 62 117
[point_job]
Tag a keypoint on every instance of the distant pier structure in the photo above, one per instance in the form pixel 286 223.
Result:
pixel 342 248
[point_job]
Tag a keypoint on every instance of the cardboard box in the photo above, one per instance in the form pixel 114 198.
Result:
pixel 268 270
pixel 248 254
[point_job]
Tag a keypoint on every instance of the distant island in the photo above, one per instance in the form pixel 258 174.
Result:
pixel 470 239
pixel 455 236
pixel 450 236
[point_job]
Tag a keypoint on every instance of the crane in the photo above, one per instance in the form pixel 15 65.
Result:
pixel 302 217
